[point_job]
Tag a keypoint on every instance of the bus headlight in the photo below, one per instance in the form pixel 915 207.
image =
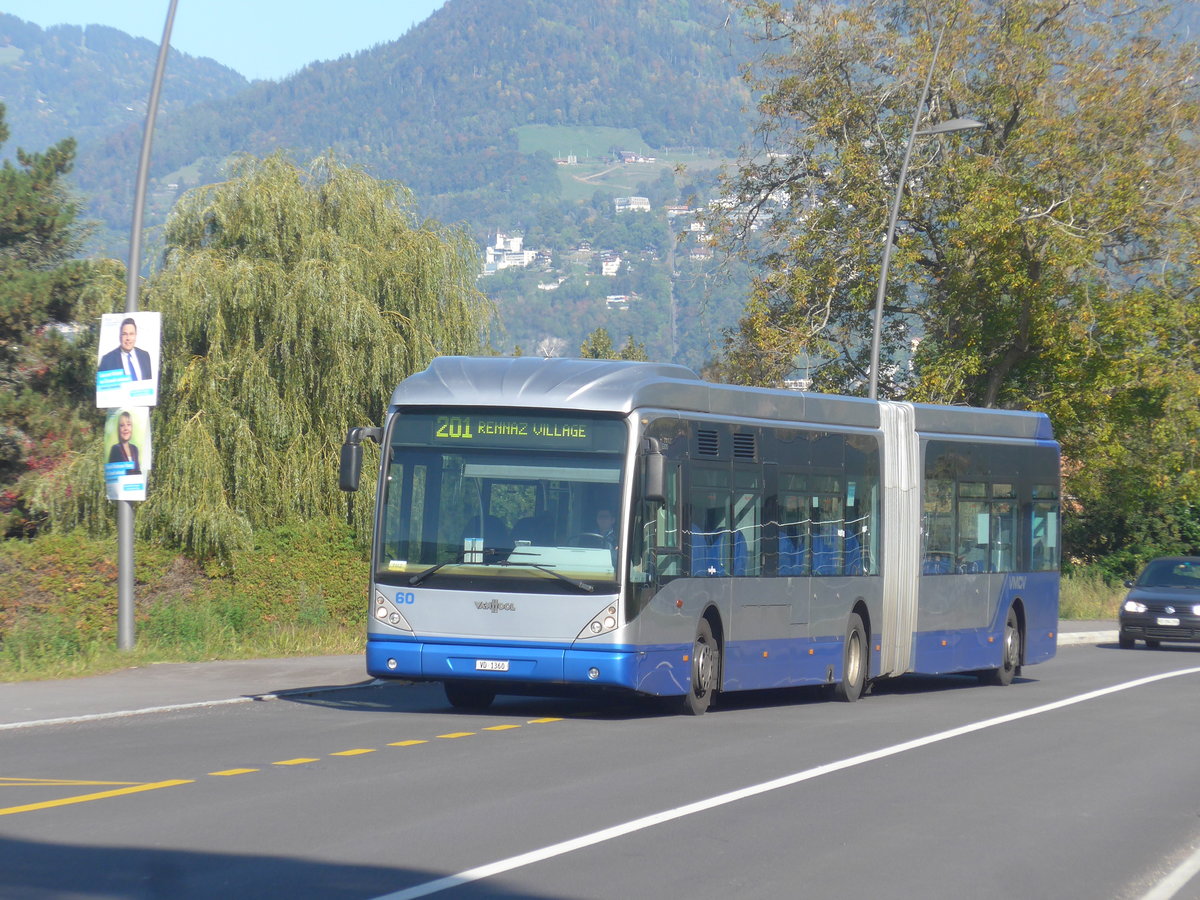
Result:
pixel 385 612
pixel 602 623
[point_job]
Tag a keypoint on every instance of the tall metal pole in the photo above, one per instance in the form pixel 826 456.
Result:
pixel 125 600
pixel 891 228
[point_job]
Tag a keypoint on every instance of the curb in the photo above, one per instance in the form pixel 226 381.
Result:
pixel 1087 637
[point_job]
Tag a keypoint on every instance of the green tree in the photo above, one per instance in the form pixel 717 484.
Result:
pixel 293 301
pixel 598 345
pixel 1047 261
pixel 46 364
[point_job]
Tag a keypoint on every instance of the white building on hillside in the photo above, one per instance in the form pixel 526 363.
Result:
pixel 631 204
pixel 506 253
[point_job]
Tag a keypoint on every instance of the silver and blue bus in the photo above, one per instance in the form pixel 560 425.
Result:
pixel 550 525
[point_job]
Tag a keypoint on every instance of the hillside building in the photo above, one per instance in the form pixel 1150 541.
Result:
pixel 506 252
pixel 631 204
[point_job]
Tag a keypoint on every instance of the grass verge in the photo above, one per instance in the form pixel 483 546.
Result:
pixel 1085 594
pixel 299 591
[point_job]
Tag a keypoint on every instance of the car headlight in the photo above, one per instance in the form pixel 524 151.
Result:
pixel 1134 606
pixel 1196 610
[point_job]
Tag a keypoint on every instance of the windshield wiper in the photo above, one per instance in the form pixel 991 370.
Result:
pixel 487 551
pixel 421 576
pixel 574 582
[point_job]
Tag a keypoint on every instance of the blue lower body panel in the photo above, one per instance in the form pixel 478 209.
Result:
pixel 527 663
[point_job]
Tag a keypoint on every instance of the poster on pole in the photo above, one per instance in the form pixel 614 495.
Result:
pixel 127 359
pixel 127 452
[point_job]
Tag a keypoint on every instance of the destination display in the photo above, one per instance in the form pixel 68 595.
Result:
pixel 465 428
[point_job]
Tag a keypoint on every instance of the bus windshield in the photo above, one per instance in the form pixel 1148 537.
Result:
pixel 514 501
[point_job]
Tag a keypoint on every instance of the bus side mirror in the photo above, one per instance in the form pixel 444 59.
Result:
pixel 654 467
pixel 350 467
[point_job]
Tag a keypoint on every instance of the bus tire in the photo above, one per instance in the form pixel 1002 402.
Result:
pixel 464 695
pixel 1011 660
pixel 854 662
pixel 706 663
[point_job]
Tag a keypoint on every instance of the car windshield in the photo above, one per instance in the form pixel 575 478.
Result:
pixel 1172 573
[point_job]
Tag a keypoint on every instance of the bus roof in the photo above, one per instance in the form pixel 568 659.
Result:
pixel 597 385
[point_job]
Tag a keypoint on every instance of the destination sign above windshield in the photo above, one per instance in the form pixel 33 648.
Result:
pixel 486 429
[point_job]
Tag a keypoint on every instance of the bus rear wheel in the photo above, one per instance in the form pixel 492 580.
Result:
pixel 854 662
pixel 706 663
pixel 463 695
pixel 1012 653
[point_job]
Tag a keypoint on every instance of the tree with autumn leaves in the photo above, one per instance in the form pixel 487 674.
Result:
pixel 1047 261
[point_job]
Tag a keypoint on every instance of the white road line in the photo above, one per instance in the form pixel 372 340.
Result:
pixel 178 707
pixel 616 831
pixel 1171 885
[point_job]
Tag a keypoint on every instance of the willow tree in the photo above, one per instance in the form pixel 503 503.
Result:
pixel 293 301
pixel 1046 261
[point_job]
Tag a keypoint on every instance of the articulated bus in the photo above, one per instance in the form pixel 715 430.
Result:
pixel 762 538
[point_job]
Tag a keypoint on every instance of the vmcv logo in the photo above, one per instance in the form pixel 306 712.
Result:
pixel 495 606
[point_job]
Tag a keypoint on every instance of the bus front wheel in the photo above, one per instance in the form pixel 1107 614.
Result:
pixel 706 663
pixel 854 662
pixel 463 695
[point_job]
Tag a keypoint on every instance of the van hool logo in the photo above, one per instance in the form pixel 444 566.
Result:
pixel 495 606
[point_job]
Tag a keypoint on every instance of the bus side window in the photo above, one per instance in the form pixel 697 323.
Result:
pixel 793 536
pixel 713 545
pixel 666 535
pixel 747 524
pixel 1043 531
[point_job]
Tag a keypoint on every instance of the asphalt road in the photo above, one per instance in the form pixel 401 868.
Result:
pixel 1079 780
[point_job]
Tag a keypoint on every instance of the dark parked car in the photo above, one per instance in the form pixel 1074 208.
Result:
pixel 1163 604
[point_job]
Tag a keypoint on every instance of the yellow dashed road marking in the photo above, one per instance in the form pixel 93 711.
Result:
pixel 85 798
pixel 133 787
pixel 57 782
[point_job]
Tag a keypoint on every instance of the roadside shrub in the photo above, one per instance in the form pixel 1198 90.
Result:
pixel 1089 593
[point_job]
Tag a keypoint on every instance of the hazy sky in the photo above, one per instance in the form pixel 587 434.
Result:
pixel 258 38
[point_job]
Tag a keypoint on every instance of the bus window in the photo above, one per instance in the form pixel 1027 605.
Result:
pixel 1003 530
pixel 793 534
pixel 747 523
pixel 666 534
pixel 715 549
pixel 828 526
pixel 938 558
pixel 1043 530
pixel 974 527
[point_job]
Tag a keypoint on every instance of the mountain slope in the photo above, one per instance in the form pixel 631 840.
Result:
pixel 86 82
pixel 438 108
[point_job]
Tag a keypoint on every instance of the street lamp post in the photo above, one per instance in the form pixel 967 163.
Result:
pixel 960 124
pixel 126 628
